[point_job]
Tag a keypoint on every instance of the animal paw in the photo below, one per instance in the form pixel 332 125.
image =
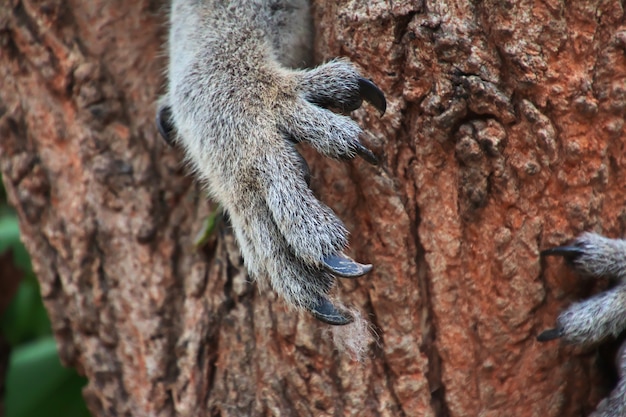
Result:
pixel 594 255
pixel 286 235
pixel 604 314
pixel 338 85
pixel 311 231
pixel 600 316
pixel 332 88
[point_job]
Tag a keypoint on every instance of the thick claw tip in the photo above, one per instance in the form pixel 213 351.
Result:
pixel 549 335
pixel 342 266
pixel 326 312
pixel 164 124
pixel 373 95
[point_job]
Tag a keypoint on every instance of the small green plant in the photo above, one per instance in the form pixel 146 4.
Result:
pixel 208 227
pixel 36 382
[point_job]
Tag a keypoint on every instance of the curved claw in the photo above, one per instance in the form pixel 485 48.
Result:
pixel 549 335
pixel 342 266
pixel 326 312
pixel 366 154
pixel 568 252
pixel 165 125
pixel 373 95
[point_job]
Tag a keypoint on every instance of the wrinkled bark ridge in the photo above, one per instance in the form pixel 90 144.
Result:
pixel 504 135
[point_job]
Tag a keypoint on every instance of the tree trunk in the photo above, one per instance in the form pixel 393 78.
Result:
pixel 504 135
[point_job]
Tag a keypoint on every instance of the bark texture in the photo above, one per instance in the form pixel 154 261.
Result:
pixel 504 135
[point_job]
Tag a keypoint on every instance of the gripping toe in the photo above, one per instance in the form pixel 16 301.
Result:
pixel 326 312
pixel 373 95
pixel 342 266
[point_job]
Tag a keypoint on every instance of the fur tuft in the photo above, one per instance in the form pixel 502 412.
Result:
pixel 355 338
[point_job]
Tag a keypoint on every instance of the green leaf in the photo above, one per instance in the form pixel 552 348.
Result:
pixel 25 319
pixel 37 384
pixel 10 238
pixel 208 227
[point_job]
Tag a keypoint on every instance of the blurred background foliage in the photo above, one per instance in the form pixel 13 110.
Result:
pixel 36 384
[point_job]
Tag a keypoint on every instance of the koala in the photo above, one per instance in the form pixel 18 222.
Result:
pixel 237 105
pixel 600 316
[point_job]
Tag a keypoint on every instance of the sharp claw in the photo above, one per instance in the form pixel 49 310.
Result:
pixel 568 252
pixel 326 312
pixel 373 95
pixel 366 154
pixel 342 266
pixel 550 335
pixel 164 124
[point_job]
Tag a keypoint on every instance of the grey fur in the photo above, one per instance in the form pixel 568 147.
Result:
pixel 602 315
pixel 615 404
pixel 600 256
pixel 594 319
pixel 238 109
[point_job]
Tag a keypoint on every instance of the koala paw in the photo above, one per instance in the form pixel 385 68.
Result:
pixel 285 234
pixel 603 314
pixel 333 86
pixel 594 255
pixel 600 316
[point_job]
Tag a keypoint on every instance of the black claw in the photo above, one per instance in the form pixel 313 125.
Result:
pixel 373 95
pixel 365 153
pixel 165 125
pixel 326 312
pixel 342 266
pixel 550 335
pixel 570 253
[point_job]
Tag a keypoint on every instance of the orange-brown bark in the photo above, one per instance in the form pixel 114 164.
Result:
pixel 504 135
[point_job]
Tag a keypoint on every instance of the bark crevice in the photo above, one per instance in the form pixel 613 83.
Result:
pixel 494 109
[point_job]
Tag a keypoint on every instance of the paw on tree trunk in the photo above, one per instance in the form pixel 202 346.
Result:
pixel 503 136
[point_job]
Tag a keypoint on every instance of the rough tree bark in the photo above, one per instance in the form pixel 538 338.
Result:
pixel 504 135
